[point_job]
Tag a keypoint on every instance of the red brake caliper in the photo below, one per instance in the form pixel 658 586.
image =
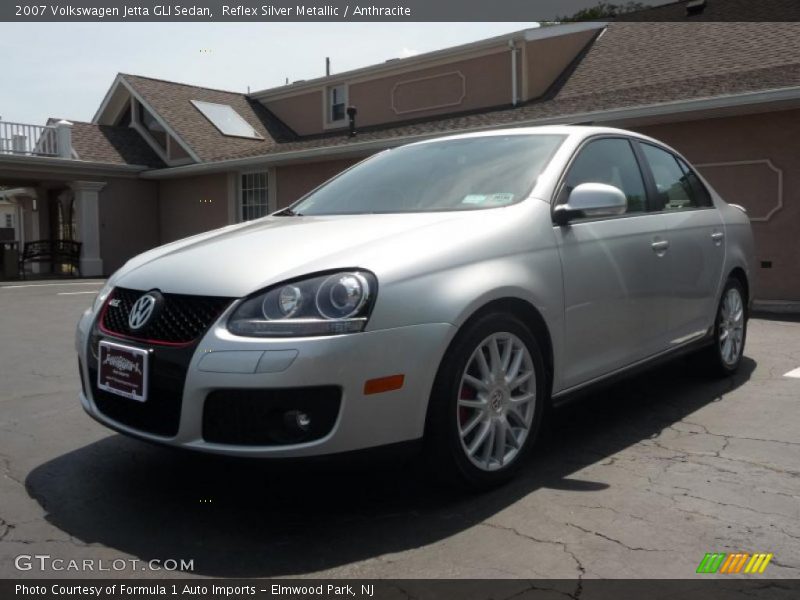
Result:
pixel 467 393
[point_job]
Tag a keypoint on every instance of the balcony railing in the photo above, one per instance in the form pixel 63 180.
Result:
pixel 23 139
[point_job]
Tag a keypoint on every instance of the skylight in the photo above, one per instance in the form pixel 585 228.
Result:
pixel 226 119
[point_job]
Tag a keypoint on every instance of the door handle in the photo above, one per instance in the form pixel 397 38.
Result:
pixel 660 247
pixel 717 236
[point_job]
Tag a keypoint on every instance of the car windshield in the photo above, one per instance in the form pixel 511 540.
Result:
pixel 458 174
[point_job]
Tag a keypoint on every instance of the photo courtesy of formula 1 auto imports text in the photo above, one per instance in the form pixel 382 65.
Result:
pixel 400 300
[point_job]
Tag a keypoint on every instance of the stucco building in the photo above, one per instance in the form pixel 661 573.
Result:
pixel 163 160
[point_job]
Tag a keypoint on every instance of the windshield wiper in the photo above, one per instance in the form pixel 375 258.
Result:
pixel 288 212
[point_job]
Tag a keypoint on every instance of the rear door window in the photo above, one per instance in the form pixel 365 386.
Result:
pixel 677 186
pixel 702 197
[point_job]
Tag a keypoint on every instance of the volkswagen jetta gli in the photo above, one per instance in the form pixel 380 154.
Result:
pixel 444 291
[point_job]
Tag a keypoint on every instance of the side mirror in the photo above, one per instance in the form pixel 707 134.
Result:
pixel 591 200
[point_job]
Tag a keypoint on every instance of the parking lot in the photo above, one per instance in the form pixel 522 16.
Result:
pixel 639 480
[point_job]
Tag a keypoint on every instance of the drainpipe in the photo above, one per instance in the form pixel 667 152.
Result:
pixel 512 46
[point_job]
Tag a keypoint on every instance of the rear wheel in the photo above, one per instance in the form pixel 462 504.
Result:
pixel 487 402
pixel 730 330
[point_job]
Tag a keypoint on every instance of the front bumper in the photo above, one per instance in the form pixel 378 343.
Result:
pixel 222 361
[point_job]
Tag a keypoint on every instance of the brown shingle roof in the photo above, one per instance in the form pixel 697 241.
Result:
pixel 112 145
pixel 172 102
pixel 632 64
pixel 633 55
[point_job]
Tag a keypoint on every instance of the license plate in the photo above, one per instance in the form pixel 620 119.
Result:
pixel 122 370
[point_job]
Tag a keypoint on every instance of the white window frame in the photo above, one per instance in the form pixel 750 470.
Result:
pixel 327 105
pixel 162 152
pixel 9 224
pixel 241 189
pixel 142 128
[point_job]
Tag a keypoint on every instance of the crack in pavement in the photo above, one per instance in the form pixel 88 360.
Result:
pixel 729 436
pixel 5 465
pixel 613 510
pixel 785 566
pixel 748 528
pixel 763 466
pixel 687 454
pixel 731 504
pixel 616 541
pixel 71 541
pixel 5 528
pixel 578 564
pixel 684 457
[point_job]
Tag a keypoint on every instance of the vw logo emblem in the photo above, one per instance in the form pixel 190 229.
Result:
pixel 496 400
pixel 143 310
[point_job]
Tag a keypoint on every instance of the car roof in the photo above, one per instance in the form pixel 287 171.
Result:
pixel 581 131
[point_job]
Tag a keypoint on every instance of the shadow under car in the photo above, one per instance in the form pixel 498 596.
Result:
pixel 245 518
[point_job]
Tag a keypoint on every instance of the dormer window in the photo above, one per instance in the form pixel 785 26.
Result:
pixel 155 133
pixel 156 130
pixel 336 104
pixel 226 120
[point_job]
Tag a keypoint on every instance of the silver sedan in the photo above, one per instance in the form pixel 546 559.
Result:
pixel 446 291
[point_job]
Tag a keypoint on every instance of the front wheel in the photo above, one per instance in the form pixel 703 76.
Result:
pixel 487 402
pixel 730 330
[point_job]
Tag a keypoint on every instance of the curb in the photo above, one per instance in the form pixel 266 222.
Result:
pixel 776 307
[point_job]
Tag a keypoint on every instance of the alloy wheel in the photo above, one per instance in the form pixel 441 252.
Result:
pixel 497 401
pixel 731 327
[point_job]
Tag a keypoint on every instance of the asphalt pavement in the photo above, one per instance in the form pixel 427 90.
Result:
pixel 637 481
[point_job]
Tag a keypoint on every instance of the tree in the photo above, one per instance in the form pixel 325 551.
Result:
pixel 603 11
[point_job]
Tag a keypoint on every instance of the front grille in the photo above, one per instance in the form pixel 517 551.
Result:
pixel 182 319
pixel 264 417
pixel 160 413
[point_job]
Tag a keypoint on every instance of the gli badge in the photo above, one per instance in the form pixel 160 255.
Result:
pixel 144 310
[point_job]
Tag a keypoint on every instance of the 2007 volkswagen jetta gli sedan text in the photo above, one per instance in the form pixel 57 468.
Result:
pixel 444 291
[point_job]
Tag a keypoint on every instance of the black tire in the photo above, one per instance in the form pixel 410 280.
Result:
pixel 714 358
pixel 445 455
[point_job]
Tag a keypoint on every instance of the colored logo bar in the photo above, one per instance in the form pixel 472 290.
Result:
pixel 737 562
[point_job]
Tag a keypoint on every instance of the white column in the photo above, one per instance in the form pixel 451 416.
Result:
pixel 87 205
pixel 64 139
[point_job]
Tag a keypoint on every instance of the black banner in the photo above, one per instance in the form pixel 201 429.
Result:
pixel 501 589
pixel 396 10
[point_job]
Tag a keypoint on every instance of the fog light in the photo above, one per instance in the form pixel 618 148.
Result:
pixel 296 421
pixel 303 420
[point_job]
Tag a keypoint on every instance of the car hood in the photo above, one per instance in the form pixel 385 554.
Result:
pixel 237 260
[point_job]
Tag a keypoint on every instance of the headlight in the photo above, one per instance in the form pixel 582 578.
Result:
pixel 102 295
pixel 329 304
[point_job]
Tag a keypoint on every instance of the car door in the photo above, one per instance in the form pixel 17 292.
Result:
pixel 615 269
pixel 695 233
